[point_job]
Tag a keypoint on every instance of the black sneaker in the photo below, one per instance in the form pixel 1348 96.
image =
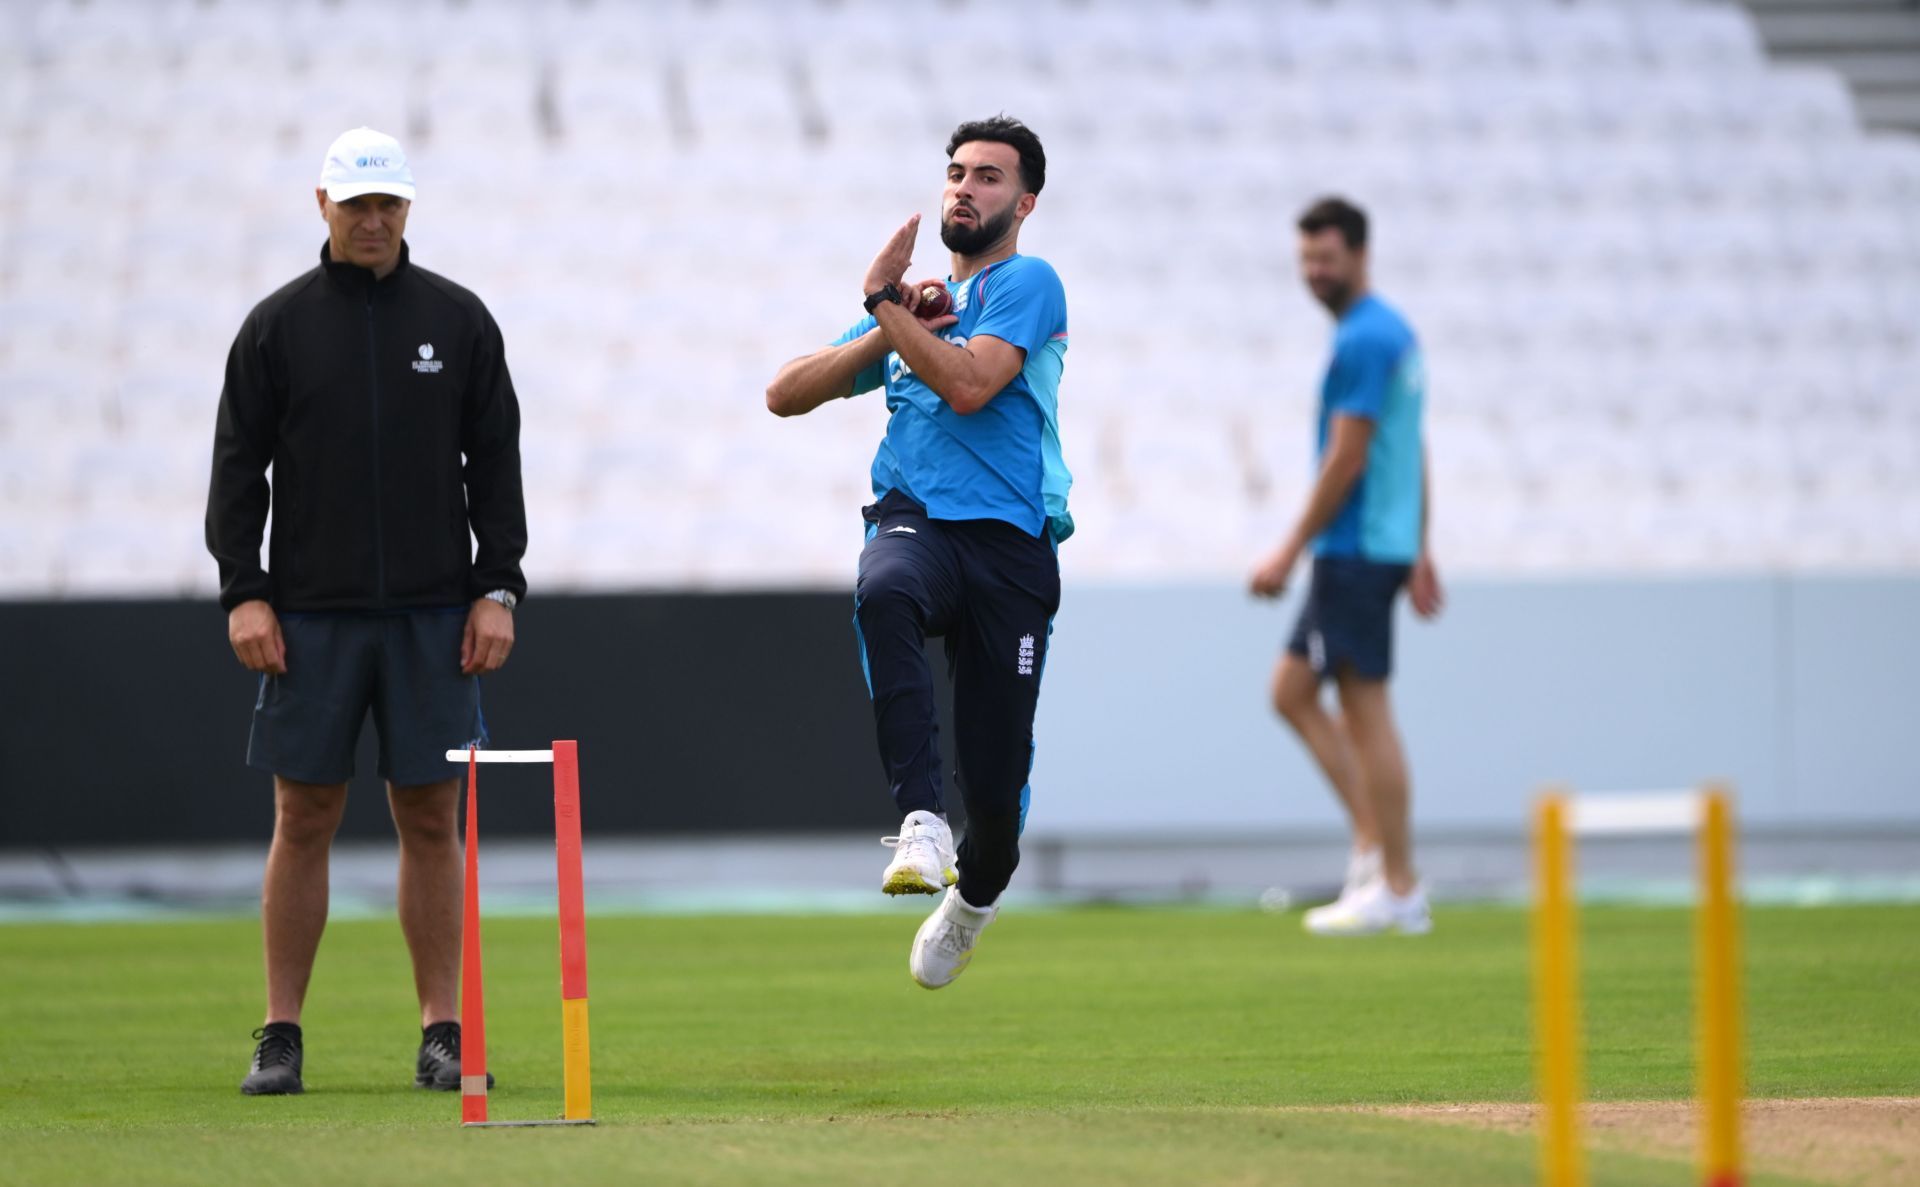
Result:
pixel 438 1066
pixel 276 1061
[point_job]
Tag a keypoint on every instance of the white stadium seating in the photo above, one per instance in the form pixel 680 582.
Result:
pixel 1669 291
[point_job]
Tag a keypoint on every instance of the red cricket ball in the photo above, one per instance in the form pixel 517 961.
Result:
pixel 935 301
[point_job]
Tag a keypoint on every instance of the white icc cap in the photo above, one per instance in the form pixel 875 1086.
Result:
pixel 364 161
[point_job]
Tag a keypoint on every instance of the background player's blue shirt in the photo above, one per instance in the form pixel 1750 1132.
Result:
pixel 1377 373
pixel 1004 461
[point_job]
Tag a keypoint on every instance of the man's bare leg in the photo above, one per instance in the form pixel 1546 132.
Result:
pixel 293 896
pixel 430 884
pixel 1296 697
pixel 1368 714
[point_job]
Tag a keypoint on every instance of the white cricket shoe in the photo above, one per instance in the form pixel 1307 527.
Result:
pixel 923 860
pixel 944 944
pixel 1363 870
pixel 1372 910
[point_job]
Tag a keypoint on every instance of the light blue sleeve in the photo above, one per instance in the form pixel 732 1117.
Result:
pixel 873 376
pixel 1024 304
pixel 1362 374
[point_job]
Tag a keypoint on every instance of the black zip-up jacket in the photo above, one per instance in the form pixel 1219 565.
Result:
pixel 364 395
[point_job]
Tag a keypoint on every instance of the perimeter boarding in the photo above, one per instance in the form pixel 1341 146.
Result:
pixel 1559 818
pixel 565 759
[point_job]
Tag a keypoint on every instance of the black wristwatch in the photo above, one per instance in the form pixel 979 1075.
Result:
pixel 890 293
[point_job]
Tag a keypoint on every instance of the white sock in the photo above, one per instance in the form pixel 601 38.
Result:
pixel 1363 865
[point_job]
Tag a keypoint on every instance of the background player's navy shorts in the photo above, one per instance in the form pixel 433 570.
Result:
pixel 1347 622
pixel 404 666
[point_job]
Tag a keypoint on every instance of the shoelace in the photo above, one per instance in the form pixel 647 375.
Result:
pixel 919 848
pixel 955 939
pixel 275 1049
pixel 918 836
pixel 443 1042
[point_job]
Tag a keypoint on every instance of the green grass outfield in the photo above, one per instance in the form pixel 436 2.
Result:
pixel 1109 1046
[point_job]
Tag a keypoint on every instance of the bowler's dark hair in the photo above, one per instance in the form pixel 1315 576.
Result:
pixel 1340 214
pixel 1004 129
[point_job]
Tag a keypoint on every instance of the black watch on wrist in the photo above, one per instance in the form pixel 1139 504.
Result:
pixel 889 293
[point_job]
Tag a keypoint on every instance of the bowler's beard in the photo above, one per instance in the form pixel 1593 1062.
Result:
pixel 983 234
pixel 1337 298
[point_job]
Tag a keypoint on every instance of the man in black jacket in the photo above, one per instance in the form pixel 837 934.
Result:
pixel 379 394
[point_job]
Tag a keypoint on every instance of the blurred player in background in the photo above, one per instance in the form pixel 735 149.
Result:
pixel 970 495
pixel 1366 524
pixel 364 384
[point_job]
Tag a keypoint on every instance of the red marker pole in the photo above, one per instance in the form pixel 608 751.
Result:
pixel 577 1066
pixel 473 1013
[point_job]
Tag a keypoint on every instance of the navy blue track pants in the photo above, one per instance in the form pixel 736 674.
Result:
pixel 991 591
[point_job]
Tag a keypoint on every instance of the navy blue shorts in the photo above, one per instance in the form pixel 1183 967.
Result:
pixel 405 667
pixel 1347 623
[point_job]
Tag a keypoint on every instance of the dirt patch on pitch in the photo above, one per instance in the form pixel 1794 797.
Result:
pixel 1868 1142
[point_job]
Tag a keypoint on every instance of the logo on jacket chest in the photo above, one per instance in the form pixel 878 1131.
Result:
pixel 426 364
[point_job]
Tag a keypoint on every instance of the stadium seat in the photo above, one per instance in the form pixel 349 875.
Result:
pixel 114 555
pixel 1698 39
pixel 1455 39
pixel 1576 38
pixel 1344 39
pixel 1810 103
pixel 28 562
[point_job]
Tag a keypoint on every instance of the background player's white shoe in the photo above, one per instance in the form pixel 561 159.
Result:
pixel 1372 910
pixel 944 944
pixel 1363 870
pixel 922 856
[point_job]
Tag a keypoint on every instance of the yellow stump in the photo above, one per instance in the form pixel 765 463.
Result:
pixel 577 1066
pixel 1556 998
pixel 1717 999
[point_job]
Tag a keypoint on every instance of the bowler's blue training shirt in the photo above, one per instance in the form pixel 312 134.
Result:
pixel 1004 461
pixel 1376 372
